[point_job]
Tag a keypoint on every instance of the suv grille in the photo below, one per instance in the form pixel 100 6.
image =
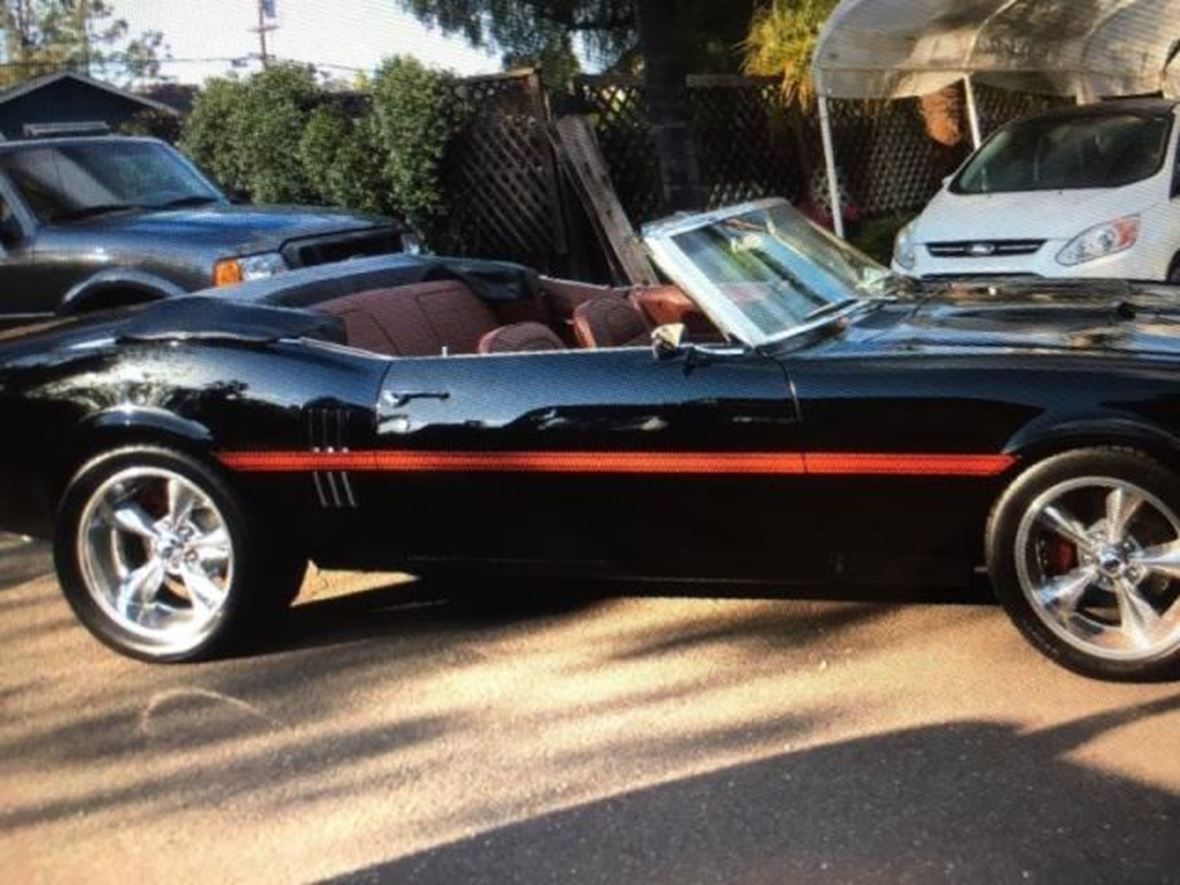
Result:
pixel 984 248
pixel 340 247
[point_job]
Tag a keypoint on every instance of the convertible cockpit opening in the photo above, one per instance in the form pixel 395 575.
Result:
pixel 449 317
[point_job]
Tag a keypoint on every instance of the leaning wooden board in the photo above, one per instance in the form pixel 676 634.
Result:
pixel 579 148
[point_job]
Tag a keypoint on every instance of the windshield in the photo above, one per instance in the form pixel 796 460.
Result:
pixel 1099 150
pixel 777 269
pixel 72 181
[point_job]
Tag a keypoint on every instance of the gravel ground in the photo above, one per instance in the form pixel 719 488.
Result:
pixel 393 731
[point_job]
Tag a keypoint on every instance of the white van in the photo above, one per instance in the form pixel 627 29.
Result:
pixel 1088 191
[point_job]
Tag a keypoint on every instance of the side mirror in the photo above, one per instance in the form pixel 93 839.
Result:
pixel 667 341
pixel 238 196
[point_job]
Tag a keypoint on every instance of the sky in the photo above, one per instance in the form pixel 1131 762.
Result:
pixel 348 33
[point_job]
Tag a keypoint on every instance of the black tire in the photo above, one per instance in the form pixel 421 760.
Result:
pixel 264 578
pixel 1174 271
pixel 1120 465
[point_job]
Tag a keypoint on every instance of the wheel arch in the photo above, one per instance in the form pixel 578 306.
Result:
pixel 1036 444
pixel 89 293
pixel 124 426
pixel 1032 446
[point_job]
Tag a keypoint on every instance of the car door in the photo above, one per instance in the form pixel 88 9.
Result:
pixel 609 460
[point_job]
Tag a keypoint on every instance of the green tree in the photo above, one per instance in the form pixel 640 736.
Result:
pixel 782 40
pixel 43 36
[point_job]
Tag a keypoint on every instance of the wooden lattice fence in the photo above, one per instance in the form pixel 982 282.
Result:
pixel 885 159
pixel 502 178
pixel 510 201
pixel 999 106
pixel 747 141
pixel 746 146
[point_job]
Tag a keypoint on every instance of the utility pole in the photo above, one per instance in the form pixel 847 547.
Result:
pixel 266 10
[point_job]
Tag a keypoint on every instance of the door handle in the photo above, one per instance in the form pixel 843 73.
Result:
pixel 400 398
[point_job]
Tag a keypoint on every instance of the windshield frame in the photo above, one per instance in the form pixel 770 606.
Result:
pixel 660 239
pixel 1082 113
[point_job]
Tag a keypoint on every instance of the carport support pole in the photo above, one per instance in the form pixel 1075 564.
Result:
pixel 825 131
pixel 972 112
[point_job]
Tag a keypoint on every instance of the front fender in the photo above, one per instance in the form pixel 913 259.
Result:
pixel 1037 441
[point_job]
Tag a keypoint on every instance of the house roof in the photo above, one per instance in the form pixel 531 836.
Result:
pixel 1083 48
pixel 34 83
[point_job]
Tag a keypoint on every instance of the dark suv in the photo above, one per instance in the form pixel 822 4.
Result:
pixel 95 222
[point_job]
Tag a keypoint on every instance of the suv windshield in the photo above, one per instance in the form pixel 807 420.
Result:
pixel 63 182
pixel 773 271
pixel 1064 153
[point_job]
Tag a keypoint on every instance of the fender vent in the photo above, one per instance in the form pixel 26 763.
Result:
pixel 327 433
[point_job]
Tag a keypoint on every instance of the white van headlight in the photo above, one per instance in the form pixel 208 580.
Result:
pixel 1100 240
pixel 905 251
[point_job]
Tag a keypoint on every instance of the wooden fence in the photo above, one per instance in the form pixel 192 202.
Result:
pixel 510 199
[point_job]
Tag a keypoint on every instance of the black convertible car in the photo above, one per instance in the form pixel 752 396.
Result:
pixel 787 411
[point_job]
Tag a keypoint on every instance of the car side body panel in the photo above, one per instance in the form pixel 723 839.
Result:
pixel 870 452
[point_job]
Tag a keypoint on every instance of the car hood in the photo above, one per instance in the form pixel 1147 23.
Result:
pixel 1040 215
pixel 232 229
pixel 965 319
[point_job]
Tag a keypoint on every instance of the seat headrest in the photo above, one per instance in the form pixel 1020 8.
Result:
pixel 610 321
pixel 519 338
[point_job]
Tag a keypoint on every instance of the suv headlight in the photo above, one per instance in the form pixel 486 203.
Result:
pixel 250 267
pixel 905 251
pixel 1100 240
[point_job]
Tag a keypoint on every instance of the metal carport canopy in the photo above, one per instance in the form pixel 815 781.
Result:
pixel 1088 49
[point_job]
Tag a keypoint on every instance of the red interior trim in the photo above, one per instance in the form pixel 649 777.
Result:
pixel 764 463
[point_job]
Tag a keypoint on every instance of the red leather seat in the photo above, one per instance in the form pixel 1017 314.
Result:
pixel 422 319
pixel 520 338
pixel 610 321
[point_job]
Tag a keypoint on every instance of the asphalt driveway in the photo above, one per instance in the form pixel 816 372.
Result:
pixel 402 732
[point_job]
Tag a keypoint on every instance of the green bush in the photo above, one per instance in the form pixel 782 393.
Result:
pixel 209 130
pixel 153 123
pixel 344 161
pixel 278 137
pixel 247 133
pixel 875 237
pixel 417 112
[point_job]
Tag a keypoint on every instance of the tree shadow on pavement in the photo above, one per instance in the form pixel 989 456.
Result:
pixel 972 801
pixel 374 613
pixel 22 561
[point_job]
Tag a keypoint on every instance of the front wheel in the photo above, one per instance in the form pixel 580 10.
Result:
pixel 1084 554
pixel 157 560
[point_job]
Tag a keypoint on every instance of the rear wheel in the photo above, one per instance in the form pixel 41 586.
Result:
pixel 1174 270
pixel 156 558
pixel 1084 554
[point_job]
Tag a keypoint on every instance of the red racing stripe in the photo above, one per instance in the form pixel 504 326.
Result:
pixel 737 463
pixel 907 464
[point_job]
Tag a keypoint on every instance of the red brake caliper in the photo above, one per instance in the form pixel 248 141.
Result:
pixel 1062 555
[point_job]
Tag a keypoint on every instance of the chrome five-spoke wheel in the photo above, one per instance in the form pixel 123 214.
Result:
pixel 1098 561
pixel 156 557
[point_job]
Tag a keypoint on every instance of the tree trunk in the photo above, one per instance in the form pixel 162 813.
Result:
pixel 667 105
